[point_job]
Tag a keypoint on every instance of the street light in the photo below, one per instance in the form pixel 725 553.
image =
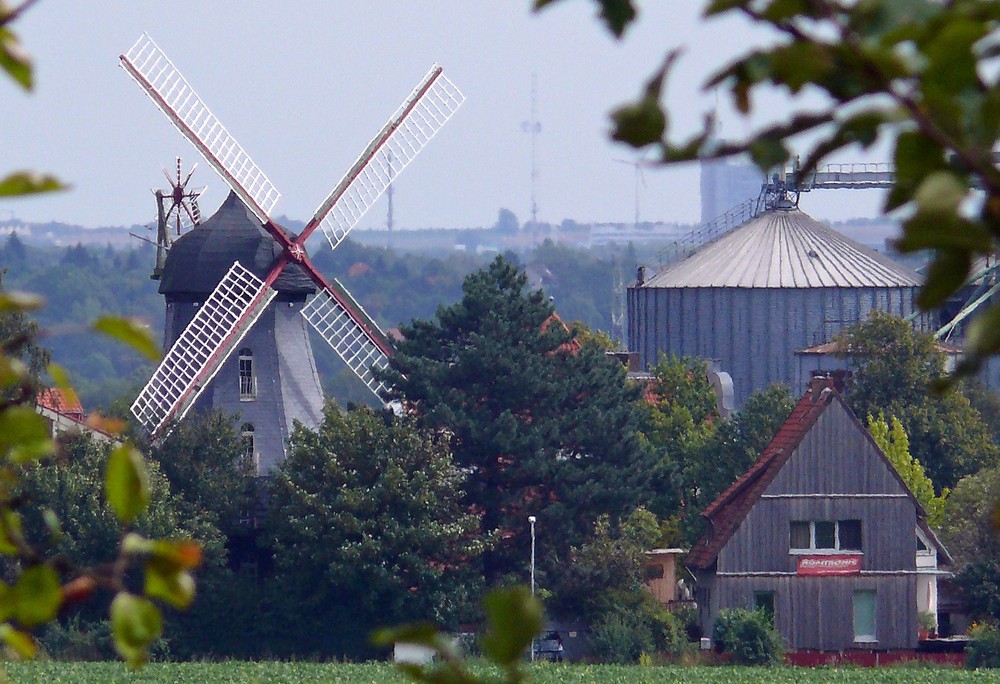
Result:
pixel 531 522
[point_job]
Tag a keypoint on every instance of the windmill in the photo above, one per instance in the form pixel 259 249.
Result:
pixel 204 331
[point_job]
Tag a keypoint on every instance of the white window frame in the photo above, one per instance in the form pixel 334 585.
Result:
pixel 865 638
pixel 813 549
pixel 248 379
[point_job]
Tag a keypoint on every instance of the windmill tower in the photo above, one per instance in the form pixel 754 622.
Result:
pixel 241 288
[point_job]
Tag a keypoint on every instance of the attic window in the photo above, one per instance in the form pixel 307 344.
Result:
pixel 824 535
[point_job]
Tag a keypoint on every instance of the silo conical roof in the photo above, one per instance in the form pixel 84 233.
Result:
pixel 784 249
pixel 199 259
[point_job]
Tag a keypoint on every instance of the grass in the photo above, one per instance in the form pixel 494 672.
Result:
pixel 239 672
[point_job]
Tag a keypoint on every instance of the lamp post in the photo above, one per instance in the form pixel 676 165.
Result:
pixel 531 522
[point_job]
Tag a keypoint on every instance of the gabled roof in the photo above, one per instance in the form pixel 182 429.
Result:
pixel 732 506
pixel 784 249
pixel 59 401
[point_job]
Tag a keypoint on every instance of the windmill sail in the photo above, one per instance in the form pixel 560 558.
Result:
pixel 422 114
pixel 156 74
pixel 358 346
pixel 221 322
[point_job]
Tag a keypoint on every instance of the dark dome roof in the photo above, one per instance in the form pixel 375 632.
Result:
pixel 199 259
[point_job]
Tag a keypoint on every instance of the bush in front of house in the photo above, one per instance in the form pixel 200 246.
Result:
pixel 748 636
pixel 984 649
pixel 649 628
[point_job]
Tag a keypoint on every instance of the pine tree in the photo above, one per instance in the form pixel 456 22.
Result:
pixel 544 426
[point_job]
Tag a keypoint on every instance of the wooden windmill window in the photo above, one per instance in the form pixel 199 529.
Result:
pixel 248 381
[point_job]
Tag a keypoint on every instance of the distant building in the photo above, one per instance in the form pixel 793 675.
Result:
pixel 661 575
pixel 65 414
pixel 725 184
pixel 824 534
pixel 779 283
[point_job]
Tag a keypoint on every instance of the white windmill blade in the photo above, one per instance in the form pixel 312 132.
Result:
pixel 168 89
pixel 422 114
pixel 220 324
pixel 354 344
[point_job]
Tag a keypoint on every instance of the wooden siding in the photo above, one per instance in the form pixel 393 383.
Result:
pixel 834 458
pixel 818 612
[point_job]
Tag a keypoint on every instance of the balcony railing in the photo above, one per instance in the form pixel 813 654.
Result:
pixel 248 388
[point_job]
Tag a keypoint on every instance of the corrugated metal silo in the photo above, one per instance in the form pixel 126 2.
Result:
pixel 751 298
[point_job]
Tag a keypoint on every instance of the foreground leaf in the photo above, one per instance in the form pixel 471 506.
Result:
pixel 28 183
pixel 37 596
pixel 126 483
pixel 132 332
pixel 135 624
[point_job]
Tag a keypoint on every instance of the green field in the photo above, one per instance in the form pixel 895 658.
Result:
pixel 294 673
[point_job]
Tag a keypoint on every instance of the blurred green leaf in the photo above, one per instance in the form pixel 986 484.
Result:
pixel 175 587
pixel 132 332
pixel 52 524
pixel 37 596
pixel 28 183
pixel 126 483
pixel 617 14
pixel 946 274
pixel 514 617
pixel 8 541
pixel 24 435
pixel 983 336
pixel 20 643
pixel 767 153
pixel 14 60
pixel 942 192
pixel 19 301
pixel 135 624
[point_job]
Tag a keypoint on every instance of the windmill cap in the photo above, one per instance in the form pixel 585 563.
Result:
pixel 199 259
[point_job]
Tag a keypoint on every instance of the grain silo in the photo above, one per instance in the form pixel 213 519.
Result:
pixel 751 298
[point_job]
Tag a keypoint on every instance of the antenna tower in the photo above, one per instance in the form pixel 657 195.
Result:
pixel 532 127
pixel 618 303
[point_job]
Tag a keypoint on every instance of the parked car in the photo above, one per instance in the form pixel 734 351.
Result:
pixel 549 647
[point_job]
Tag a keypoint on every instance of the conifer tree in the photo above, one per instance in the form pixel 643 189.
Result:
pixel 544 426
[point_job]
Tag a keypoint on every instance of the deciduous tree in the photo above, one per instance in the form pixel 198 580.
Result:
pixel 367 528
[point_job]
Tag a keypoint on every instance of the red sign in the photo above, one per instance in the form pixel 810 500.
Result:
pixel 829 565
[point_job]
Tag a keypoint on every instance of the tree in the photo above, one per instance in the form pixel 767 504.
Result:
pixel 544 426
pixel 917 74
pixel 700 455
pixel 203 458
pixel 896 446
pixel 968 528
pixel 607 572
pixel 895 369
pixel 367 528
pixel 42 583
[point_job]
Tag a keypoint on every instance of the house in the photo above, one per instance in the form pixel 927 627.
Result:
pixel 822 533
pixel 661 575
pixel 65 414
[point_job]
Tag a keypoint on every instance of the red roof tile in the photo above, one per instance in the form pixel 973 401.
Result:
pixel 59 401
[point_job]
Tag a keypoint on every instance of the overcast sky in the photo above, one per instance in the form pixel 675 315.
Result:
pixel 304 85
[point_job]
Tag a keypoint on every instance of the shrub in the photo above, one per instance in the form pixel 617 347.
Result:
pixel 749 636
pixel 621 639
pixel 649 628
pixel 984 649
